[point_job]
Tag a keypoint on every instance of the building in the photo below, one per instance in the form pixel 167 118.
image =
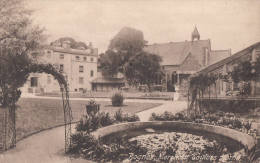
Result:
pixel 181 59
pixel 226 65
pixel 79 66
pixel 102 83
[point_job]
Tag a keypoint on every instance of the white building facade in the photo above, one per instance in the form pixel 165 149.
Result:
pixel 79 66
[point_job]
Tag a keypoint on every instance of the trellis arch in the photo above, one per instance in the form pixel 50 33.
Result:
pixel 9 120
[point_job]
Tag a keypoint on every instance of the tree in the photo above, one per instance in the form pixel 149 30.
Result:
pixel 19 41
pixel 73 44
pixel 111 63
pixel 129 40
pixel 125 54
pixel 125 44
pixel 143 69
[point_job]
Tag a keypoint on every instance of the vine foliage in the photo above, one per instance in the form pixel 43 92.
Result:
pixel 13 75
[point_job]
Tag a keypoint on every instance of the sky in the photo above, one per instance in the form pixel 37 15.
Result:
pixel 229 24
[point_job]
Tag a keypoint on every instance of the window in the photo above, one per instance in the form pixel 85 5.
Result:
pixel 81 89
pixel 49 80
pixel 61 67
pixel 91 73
pixel 91 59
pixel 81 68
pixel 81 80
pixel 77 58
pixel 34 81
pixel 85 58
pixel 61 56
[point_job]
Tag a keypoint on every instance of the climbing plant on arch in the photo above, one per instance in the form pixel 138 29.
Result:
pixel 13 76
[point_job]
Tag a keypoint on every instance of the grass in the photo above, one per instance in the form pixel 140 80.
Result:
pixel 34 115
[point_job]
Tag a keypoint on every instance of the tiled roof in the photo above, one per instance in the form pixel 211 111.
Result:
pixel 103 80
pixel 174 53
pixel 217 55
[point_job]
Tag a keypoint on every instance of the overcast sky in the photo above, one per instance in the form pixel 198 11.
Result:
pixel 228 24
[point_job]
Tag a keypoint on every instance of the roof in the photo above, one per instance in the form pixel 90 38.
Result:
pixel 217 55
pixel 229 59
pixel 174 53
pixel 87 52
pixel 103 80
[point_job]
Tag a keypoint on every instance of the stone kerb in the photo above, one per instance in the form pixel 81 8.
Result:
pixel 246 140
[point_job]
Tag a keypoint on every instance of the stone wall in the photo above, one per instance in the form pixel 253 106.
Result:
pixel 244 139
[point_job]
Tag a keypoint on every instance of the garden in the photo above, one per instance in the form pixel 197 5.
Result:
pixel 157 144
pixel 34 115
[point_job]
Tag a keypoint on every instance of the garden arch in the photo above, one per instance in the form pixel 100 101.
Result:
pixel 10 121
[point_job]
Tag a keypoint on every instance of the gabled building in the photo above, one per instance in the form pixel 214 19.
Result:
pixel 181 59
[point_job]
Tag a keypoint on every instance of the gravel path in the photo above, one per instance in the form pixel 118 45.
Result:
pixel 48 146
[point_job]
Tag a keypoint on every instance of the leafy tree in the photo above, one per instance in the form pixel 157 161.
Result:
pixel 129 40
pixel 73 44
pixel 125 44
pixel 125 54
pixel 19 40
pixel 143 69
pixel 111 63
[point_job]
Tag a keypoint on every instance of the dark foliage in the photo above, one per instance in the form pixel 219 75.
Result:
pixel 117 99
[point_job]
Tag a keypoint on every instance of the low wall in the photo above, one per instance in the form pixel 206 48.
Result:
pixel 227 104
pixel 244 139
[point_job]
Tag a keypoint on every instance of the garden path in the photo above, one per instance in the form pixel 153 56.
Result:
pixel 48 146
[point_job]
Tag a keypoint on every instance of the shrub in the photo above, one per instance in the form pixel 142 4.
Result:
pixel 81 140
pixel 84 125
pixel 120 117
pixel 131 118
pixel 93 122
pixel 106 119
pixel 117 99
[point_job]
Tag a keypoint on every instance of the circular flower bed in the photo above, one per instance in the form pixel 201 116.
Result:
pixel 171 146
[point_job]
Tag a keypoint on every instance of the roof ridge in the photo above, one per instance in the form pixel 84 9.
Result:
pixel 177 42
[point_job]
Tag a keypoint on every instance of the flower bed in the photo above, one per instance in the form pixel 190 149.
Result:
pixel 122 142
pixel 171 146
pixel 229 120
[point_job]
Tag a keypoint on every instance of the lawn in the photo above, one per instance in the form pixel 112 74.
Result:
pixel 34 115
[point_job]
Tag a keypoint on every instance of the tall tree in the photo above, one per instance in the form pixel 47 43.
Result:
pixel 144 68
pixel 111 63
pixel 19 40
pixel 125 54
pixel 128 39
pixel 124 45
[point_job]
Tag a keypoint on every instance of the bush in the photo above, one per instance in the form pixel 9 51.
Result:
pixel 117 99
pixel 120 117
pixel 106 119
pixel 87 145
pixel 93 122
